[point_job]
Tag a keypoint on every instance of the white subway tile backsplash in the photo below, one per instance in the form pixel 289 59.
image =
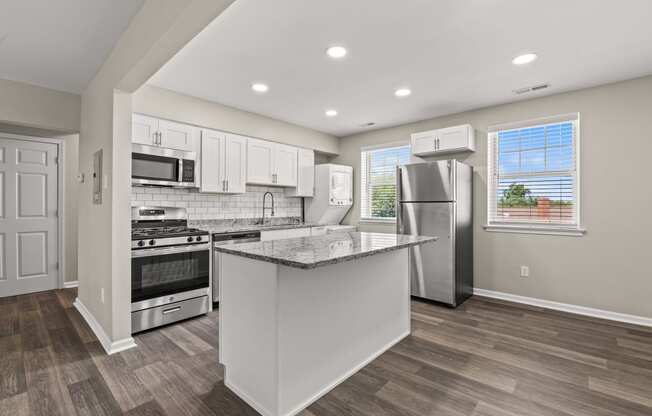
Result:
pixel 217 206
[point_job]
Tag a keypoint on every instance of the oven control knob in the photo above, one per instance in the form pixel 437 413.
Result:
pixel 152 242
pixel 189 239
pixel 141 243
pixel 198 238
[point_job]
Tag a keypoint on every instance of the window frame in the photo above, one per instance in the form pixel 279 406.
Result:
pixel 526 227
pixel 364 192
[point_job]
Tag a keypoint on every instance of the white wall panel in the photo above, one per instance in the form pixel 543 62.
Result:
pixel 3 275
pixel 31 191
pixel 31 156
pixel 32 254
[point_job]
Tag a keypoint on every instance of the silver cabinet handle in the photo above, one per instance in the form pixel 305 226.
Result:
pixel 227 185
pixel 171 310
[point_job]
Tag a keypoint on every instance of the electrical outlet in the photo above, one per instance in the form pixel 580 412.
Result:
pixel 102 295
pixel 525 271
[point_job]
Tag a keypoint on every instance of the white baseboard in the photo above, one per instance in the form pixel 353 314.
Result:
pixel 111 347
pixel 68 285
pixel 566 307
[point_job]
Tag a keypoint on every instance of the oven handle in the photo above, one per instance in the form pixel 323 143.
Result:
pixel 149 252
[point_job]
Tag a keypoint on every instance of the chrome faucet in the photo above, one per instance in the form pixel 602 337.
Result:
pixel 262 220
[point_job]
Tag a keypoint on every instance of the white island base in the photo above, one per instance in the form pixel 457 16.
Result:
pixel 289 335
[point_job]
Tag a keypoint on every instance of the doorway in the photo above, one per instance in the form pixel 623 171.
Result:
pixel 29 215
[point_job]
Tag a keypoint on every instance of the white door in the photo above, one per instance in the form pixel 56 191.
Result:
pixel 260 162
pixel 286 165
pixel 28 216
pixel 212 162
pixel 453 138
pixel 176 135
pixel 144 130
pixel 236 163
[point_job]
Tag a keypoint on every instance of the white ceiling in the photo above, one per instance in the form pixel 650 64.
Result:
pixel 455 55
pixel 60 44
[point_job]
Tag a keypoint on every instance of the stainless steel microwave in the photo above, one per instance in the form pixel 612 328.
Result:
pixel 152 165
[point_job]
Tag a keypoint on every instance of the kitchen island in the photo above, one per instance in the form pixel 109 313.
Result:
pixel 299 316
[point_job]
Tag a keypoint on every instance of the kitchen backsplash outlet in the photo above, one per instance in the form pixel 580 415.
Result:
pixel 202 206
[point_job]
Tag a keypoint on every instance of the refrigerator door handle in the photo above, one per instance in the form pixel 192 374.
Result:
pixel 399 222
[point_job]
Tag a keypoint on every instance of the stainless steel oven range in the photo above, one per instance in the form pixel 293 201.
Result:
pixel 170 268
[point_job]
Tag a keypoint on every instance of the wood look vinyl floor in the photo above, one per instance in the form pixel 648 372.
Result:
pixel 486 358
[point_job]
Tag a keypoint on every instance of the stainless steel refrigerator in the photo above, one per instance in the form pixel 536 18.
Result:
pixel 436 199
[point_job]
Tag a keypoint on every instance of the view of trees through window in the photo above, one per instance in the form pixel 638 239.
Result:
pixel 378 180
pixel 536 177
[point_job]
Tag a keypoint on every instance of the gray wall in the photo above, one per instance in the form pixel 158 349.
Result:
pixel 171 105
pixel 608 268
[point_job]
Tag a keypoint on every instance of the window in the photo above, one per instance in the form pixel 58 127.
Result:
pixel 533 176
pixel 378 180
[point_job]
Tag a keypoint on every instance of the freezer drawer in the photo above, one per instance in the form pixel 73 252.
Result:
pixel 166 314
pixel 427 182
pixel 432 266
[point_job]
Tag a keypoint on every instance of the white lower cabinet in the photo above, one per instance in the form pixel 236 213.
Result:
pixel 223 162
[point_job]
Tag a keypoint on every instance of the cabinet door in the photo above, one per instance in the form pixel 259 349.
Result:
pixel 235 171
pixel 260 161
pixel 177 136
pixel 454 138
pixel 212 162
pixel 305 175
pixel 423 143
pixel 286 165
pixel 144 129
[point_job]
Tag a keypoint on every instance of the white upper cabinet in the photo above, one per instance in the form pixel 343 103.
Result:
pixel 286 165
pixel 144 130
pixel 260 161
pixel 176 135
pixel 212 161
pixel 447 140
pixel 223 162
pixel 156 132
pixel 270 163
pixel 305 175
pixel 235 169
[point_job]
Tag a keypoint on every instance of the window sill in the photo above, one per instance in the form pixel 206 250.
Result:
pixel 388 221
pixel 524 229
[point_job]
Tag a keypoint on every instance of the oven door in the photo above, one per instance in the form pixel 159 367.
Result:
pixel 167 271
pixel 163 167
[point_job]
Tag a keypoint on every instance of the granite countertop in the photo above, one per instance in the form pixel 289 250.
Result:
pixel 250 224
pixel 311 252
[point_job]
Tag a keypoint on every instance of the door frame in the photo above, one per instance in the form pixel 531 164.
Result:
pixel 61 193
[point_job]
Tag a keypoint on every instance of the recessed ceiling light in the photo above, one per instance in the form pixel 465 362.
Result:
pixel 336 52
pixel 526 58
pixel 259 88
pixel 402 92
pixel 331 113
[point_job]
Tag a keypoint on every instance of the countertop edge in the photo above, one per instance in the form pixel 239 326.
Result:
pixel 308 266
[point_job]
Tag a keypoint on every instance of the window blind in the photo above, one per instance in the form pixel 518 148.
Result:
pixel 533 177
pixel 378 180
